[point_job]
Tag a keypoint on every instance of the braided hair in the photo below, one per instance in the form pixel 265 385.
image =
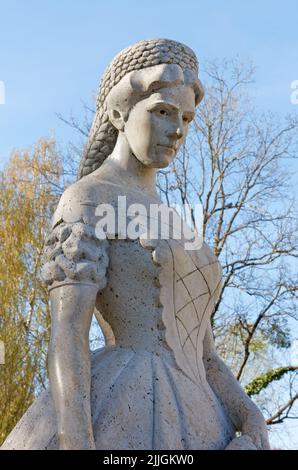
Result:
pixel 143 54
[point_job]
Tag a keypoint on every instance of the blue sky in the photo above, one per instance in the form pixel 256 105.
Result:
pixel 52 53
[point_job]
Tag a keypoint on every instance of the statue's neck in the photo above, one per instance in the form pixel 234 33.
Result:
pixel 130 169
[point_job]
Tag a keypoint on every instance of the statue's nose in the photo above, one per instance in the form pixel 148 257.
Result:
pixel 176 132
pixel 179 133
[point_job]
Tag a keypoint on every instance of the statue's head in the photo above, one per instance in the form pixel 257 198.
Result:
pixel 148 93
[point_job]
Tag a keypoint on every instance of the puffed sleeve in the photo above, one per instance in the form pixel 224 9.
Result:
pixel 73 253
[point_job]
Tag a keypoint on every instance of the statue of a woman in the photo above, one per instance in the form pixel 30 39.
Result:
pixel 158 383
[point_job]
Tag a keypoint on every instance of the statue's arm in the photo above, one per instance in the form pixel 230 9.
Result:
pixel 69 363
pixel 244 414
pixel 74 271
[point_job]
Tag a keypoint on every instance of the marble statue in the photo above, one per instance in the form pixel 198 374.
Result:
pixel 158 383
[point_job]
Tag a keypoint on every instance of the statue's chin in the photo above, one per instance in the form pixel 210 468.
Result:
pixel 161 162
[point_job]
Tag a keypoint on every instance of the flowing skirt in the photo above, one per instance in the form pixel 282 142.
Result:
pixel 139 400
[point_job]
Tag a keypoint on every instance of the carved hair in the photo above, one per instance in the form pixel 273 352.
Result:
pixel 144 54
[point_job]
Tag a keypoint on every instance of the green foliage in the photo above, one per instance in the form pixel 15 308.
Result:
pixel 261 382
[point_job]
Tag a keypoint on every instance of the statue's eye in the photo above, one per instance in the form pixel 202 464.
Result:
pixel 160 109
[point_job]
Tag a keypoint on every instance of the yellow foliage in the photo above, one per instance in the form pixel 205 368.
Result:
pixel 29 191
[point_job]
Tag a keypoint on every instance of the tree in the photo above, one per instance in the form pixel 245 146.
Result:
pixel 29 191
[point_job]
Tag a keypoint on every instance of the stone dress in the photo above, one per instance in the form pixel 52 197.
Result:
pixel 149 389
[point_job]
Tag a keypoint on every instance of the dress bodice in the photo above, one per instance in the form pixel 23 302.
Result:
pixel 130 302
pixel 159 298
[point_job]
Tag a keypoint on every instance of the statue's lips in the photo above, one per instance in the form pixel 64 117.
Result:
pixel 166 147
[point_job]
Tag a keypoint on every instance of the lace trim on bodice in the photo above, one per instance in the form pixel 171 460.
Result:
pixel 188 293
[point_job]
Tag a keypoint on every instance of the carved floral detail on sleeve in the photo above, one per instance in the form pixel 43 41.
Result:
pixel 74 253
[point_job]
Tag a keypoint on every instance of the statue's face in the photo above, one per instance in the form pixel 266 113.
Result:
pixel 157 126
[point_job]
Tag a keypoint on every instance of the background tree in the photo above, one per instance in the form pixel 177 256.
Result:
pixel 29 191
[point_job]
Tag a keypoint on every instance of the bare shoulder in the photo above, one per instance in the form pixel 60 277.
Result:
pixel 81 198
